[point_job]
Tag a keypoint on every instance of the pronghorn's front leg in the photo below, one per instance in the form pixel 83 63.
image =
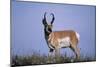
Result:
pixel 51 51
pixel 57 52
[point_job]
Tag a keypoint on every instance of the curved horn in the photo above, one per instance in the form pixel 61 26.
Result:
pixel 52 18
pixel 45 15
pixel 44 19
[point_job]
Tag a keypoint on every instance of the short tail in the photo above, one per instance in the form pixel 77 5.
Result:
pixel 78 36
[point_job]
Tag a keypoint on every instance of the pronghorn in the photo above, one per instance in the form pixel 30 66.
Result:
pixel 60 39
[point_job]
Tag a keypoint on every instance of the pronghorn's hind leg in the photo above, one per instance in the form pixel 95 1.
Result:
pixel 76 51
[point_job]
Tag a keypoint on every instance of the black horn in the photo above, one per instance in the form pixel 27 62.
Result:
pixel 52 18
pixel 44 19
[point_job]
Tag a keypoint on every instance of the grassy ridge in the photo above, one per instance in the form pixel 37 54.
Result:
pixel 37 59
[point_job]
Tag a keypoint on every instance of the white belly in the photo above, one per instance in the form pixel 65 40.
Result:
pixel 64 42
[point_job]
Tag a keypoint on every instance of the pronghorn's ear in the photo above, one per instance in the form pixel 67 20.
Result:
pixel 44 19
pixel 52 18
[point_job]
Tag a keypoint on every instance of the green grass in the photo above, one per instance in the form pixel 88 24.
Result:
pixel 37 59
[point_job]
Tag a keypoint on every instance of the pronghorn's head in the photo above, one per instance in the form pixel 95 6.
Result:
pixel 48 27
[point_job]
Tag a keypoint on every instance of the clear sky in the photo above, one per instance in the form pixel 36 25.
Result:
pixel 27 28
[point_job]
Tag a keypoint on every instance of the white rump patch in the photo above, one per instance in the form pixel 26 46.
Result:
pixel 78 36
pixel 64 42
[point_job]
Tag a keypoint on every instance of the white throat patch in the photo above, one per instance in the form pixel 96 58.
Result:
pixel 47 29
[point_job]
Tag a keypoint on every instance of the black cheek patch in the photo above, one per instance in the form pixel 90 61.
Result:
pixel 49 30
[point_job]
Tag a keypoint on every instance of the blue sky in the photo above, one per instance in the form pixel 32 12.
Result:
pixel 27 28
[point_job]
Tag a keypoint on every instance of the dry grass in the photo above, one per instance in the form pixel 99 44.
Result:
pixel 37 59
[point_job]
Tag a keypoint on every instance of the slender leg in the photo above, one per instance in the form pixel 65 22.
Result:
pixel 76 51
pixel 57 52
pixel 57 55
pixel 51 52
pixel 50 57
